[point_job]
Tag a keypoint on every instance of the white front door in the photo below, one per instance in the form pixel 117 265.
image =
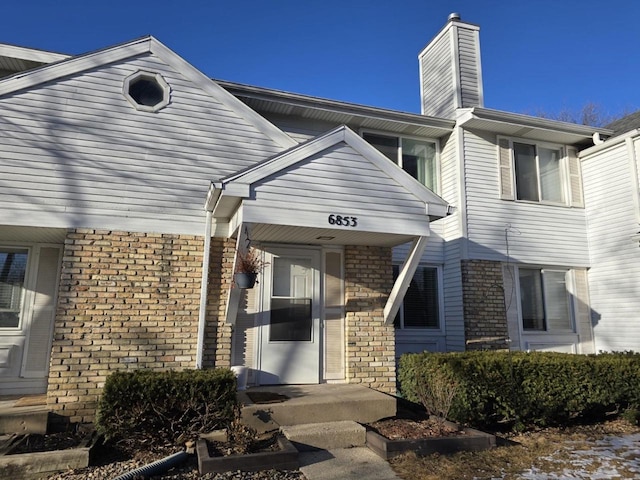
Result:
pixel 290 327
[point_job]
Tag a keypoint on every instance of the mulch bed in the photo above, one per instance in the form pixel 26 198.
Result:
pixel 49 442
pixel 266 442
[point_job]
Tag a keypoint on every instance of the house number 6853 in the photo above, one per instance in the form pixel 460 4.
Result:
pixel 343 221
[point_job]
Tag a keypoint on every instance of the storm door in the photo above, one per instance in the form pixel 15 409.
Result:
pixel 290 328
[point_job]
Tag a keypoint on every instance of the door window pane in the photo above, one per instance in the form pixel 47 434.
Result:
pixel 290 320
pixel 13 265
pixel 290 316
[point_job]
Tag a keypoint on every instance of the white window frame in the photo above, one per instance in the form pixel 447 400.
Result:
pixel 154 77
pixel 439 284
pixel 398 162
pixel 26 287
pixel 569 298
pixel 564 170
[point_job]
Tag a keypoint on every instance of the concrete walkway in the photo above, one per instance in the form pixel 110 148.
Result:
pixel 356 463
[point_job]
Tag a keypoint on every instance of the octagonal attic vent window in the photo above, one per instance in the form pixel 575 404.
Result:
pixel 146 91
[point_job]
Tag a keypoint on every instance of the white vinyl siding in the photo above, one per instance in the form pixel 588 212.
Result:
pixel 450 71
pixel 609 189
pixel 74 152
pixel 339 176
pixel 437 78
pixel 469 66
pixel 536 233
pixel 453 244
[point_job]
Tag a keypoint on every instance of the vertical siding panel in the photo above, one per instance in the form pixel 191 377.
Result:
pixel 614 291
pixel 582 311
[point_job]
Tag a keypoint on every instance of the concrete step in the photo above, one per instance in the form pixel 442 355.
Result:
pixel 325 436
pixel 24 420
pixel 316 404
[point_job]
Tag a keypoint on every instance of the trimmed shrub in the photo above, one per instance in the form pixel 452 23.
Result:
pixel 519 389
pixel 166 407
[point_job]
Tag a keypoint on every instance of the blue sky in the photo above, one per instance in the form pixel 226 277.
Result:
pixel 536 55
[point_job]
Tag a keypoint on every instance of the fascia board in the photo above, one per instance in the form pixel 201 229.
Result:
pixel 291 157
pixel 520 120
pixel 73 65
pixel 30 54
pixel 220 94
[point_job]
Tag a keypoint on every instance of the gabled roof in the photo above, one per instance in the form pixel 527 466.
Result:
pixel 145 45
pixel 239 184
pixel 293 196
pixel 625 124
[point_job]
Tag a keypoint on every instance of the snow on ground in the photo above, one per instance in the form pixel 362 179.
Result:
pixel 608 458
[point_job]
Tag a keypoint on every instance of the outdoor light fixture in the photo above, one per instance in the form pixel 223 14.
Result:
pixel 325 238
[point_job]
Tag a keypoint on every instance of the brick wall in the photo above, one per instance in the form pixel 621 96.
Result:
pixel 370 343
pixel 485 318
pixel 126 301
pixel 217 351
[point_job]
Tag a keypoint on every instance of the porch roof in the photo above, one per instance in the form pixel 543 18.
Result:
pixel 333 189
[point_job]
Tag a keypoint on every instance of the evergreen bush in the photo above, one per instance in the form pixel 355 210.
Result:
pixel 166 407
pixel 523 390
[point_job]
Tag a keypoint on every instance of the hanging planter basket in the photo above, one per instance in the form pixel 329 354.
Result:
pixel 245 280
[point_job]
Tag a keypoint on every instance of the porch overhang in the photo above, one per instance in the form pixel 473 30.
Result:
pixel 333 190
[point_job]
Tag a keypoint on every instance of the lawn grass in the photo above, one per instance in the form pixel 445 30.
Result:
pixel 518 454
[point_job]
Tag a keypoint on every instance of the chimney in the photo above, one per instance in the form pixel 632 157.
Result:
pixel 450 73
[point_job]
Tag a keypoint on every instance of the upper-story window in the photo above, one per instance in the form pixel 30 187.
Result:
pixel 417 157
pixel 539 172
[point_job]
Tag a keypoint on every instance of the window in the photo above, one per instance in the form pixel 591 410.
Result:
pixel 544 300
pixel 13 265
pixel 421 306
pixel 417 157
pixel 541 173
pixel 146 91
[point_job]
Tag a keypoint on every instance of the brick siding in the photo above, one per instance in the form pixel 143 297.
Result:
pixel 370 343
pixel 485 318
pixel 126 301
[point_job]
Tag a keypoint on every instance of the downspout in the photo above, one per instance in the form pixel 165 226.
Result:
pixel 202 315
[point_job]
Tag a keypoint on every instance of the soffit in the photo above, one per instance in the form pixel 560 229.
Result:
pixel 276 102
pixel 9 234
